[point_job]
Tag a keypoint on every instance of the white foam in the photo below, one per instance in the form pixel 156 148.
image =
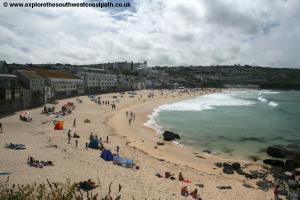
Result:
pixel 205 102
pixel 262 99
pixel 268 92
pixel 273 104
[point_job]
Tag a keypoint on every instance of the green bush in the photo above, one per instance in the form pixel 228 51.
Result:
pixel 51 191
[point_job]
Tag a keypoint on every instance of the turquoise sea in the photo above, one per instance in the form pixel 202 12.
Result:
pixel 236 125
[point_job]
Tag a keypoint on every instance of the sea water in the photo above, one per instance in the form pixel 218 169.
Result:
pixel 237 124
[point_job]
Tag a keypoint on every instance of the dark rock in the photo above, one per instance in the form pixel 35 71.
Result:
pixel 219 164
pixel 236 166
pixel 228 170
pixel 278 163
pixel 291 164
pixel 160 143
pixel 224 187
pixel 276 152
pixel 169 136
pixel 226 164
pixel 207 151
pixel 283 192
pixel 264 185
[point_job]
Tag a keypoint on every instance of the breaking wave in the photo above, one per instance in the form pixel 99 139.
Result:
pixel 205 102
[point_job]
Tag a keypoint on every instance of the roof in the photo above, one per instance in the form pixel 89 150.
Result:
pixel 55 74
pixel 7 76
pixel 30 74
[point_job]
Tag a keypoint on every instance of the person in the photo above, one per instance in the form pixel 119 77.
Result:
pixel 76 143
pixel 180 178
pixel 106 139
pixel 74 122
pixel 86 145
pixel 184 191
pixel 91 136
pixel 194 194
pixel 126 114
pixel 118 150
pixel 1 126
pixel 129 121
pixel 276 192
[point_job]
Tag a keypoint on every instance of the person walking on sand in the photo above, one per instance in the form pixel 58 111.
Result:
pixel 86 145
pixel 76 143
pixel 118 150
pixel 1 126
pixel 129 121
pixel 106 139
pixel 74 122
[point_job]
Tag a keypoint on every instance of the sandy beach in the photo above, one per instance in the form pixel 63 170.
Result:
pixel 136 141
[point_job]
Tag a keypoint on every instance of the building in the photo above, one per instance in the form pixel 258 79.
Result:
pixel 34 87
pixel 97 79
pixel 3 67
pixel 61 83
pixel 31 80
pixel 10 92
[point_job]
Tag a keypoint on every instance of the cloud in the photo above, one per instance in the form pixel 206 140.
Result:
pixel 176 32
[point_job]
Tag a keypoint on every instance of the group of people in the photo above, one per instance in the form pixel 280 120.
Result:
pixel 130 116
pixel 36 163
pixel 48 110
pixel 25 118
pixel 75 135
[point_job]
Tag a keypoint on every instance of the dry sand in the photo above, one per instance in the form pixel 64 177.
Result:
pixel 135 141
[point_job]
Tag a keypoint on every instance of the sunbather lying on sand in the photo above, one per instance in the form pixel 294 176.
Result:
pixel 87 185
pixel 36 163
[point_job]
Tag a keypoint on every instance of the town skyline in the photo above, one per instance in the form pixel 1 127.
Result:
pixel 210 32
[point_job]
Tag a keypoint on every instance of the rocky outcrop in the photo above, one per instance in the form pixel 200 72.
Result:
pixel 169 136
pixel 277 163
pixel 291 165
pixel 276 152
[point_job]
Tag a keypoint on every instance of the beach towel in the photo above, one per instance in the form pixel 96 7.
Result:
pixel 123 161
pixel 16 146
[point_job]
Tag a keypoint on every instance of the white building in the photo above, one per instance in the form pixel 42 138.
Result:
pixel 97 78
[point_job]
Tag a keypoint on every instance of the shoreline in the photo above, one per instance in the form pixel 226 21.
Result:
pixel 149 146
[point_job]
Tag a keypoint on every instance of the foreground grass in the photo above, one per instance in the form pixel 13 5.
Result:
pixel 51 191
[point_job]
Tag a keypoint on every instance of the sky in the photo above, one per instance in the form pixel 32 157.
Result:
pixel 162 32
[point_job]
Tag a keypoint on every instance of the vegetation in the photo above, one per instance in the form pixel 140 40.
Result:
pixel 51 191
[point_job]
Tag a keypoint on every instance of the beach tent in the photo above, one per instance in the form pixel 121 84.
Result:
pixel 107 155
pixel 59 125
pixel 95 144
pixel 123 161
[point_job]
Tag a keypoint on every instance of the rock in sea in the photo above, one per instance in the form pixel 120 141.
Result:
pixel 169 136
pixel 277 163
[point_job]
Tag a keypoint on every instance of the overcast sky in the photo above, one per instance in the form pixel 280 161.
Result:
pixel 163 32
